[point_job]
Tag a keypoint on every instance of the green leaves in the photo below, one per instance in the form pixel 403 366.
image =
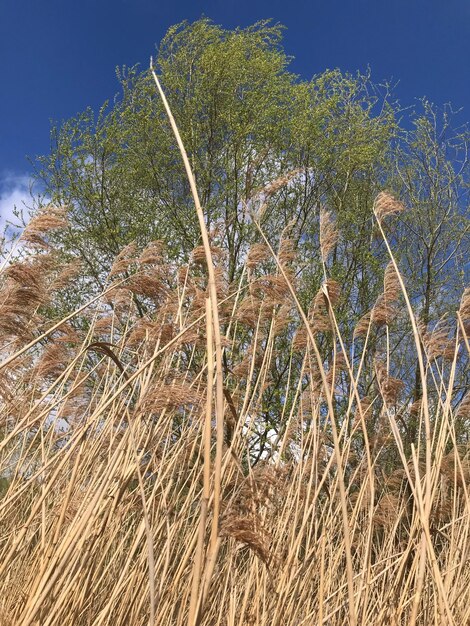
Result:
pixel 246 121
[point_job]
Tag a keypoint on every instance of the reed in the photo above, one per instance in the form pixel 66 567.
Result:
pixel 142 483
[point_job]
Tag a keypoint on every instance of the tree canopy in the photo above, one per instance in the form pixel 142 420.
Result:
pixel 246 121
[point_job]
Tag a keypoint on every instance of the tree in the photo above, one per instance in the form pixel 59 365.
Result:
pixel 246 121
pixel 433 237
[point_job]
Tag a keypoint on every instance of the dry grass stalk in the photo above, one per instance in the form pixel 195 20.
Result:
pixel 391 285
pixel 176 394
pixel 365 410
pixel 250 532
pixel 319 315
pixel 153 254
pixel 416 407
pixel 53 361
pixel 25 275
pixel 198 255
pixel 257 254
pixel 219 403
pixel 124 259
pixel 272 286
pixel 146 285
pixel 386 204
pixel 389 386
pixel 336 368
pixel 287 252
pixel 279 183
pixel 439 341
pixel 464 312
pixel 363 325
pixel 383 312
pixel 389 510
pixel 66 275
pixel 333 289
pixel 463 410
pixel 328 234
pixel 47 219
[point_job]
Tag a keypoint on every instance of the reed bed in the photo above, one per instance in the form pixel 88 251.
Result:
pixel 158 467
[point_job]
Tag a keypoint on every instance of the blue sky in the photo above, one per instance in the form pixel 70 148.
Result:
pixel 59 56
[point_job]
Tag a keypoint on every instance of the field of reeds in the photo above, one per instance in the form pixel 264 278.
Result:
pixel 145 479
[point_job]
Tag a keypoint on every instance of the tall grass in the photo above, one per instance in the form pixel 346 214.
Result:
pixel 146 481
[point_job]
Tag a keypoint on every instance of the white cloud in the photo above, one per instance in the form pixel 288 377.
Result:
pixel 14 192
